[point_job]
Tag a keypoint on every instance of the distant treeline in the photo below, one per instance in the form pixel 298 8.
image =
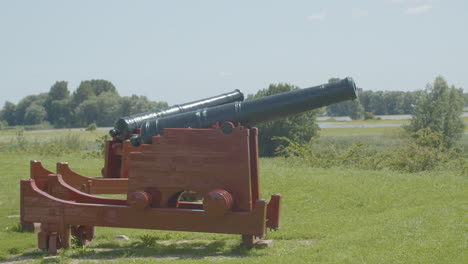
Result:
pixel 94 101
pixel 378 103
pixel 98 102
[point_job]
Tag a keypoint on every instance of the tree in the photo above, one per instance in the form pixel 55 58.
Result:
pixel 102 86
pixel 8 113
pixel 25 103
pixel 34 114
pixel 87 112
pixel 299 128
pixel 388 102
pixel 102 110
pixel 94 101
pixel 134 104
pixel 92 88
pixel 57 104
pixel 439 110
pixel 82 93
pixel 58 91
pixel 108 104
pixel 61 114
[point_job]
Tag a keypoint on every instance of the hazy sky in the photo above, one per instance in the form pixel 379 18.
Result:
pixel 178 51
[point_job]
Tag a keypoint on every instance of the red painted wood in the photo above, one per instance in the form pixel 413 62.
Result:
pixel 200 160
pixel 92 185
pixel 45 208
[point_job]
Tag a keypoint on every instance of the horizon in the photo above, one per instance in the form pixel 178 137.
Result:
pixel 178 52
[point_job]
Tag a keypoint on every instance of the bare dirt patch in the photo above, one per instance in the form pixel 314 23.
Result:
pixel 308 242
pixel 13 216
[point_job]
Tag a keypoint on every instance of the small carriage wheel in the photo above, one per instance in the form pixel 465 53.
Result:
pixel 53 243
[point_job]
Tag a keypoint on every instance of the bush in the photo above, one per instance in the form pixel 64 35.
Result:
pixel 101 143
pixel 368 116
pixel 91 127
pixel 424 151
pixel 416 158
pixel 147 241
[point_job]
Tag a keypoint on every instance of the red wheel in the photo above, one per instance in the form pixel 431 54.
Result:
pixel 218 202
pixel 139 200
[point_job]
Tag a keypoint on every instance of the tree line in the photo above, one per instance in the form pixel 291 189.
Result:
pixel 98 102
pixel 94 101
pixel 381 103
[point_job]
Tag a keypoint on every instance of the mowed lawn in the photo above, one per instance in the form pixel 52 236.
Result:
pixel 331 215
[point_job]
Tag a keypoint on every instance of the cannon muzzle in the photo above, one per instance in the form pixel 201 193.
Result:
pixel 252 112
pixel 125 126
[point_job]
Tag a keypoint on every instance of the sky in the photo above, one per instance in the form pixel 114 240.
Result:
pixel 178 51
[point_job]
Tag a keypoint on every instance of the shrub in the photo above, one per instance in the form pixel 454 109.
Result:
pixel 368 116
pixel 147 241
pixel 91 127
pixel 425 151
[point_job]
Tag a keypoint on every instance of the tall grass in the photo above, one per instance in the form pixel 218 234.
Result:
pixel 393 151
pixel 52 146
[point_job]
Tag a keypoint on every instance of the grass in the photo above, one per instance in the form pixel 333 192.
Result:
pixel 367 122
pixel 328 216
pixel 361 131
pixel 378 138
pixel 7 135
pixel 372 122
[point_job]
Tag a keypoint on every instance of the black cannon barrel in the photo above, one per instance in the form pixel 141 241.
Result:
pixel 253 112
pixel 125 126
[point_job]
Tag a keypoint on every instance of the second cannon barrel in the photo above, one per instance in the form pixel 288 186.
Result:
pixel 125 126
pixel 252 112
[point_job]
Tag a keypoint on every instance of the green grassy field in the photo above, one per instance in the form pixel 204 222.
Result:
pixel 329 216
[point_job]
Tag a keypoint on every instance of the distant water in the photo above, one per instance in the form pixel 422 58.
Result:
pixel 383 117
pixel 346 118
pixel 341 125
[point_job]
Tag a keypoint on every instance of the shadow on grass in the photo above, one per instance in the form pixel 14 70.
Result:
pixel 24 257
pixel 162 249
pixel 18 228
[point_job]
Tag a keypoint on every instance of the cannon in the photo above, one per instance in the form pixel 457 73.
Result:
pixel 212 152
pixel 125 126
pixel 252 112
